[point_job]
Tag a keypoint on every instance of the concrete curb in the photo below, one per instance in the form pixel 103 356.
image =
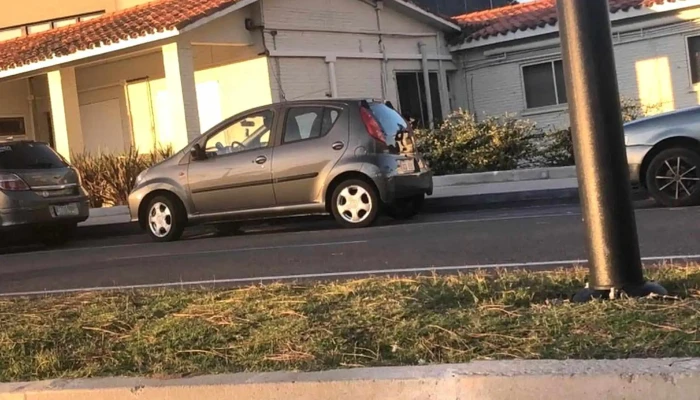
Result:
pixel 522 198
pixel 658 379
pixel 516 175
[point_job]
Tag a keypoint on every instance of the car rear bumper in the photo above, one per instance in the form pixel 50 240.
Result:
pixel 400 186
pixel 23 213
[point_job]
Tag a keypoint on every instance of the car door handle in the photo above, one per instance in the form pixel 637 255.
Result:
pixel 338 145
pixel 260 160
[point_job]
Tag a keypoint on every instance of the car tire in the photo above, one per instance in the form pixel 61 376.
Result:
pixel 57 235
pixel 355 204
pixel 673 178
pixel 165 219
pixel 406 208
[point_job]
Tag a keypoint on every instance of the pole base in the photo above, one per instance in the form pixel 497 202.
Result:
pixel 588 294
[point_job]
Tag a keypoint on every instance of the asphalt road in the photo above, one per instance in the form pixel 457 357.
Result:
pixel 526 237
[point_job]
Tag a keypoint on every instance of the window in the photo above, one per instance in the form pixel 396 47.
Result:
pixel 27 155
pixel 12 126
pixel 544 84
pixel 694 56
pixel 249 133
pixel 308 123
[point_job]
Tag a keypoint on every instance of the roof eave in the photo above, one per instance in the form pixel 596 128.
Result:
pixel 655 10
pixel 89 53
pixel 444 24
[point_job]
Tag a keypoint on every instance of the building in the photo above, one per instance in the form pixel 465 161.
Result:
pixel 510 58
pixel 104 76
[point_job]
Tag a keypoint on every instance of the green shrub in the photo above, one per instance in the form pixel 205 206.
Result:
pixel 462 144
pixel 109 178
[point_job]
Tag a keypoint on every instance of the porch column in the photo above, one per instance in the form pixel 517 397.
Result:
pixel 178 61
pixel 65 112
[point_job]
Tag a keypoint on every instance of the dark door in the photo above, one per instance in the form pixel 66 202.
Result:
pixel 236 174
pixel 412 98
pixel 313 139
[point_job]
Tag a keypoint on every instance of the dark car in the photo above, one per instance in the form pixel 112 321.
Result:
pixel 40 192
pixel 348 158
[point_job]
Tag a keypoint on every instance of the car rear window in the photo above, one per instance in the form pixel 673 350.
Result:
pixel 27 155
pixel 392 123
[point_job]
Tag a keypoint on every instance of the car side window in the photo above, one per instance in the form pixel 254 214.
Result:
pixel 303 123
pixel 249 133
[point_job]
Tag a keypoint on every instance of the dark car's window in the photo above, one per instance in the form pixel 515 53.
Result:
pixel 27 155
pixel 304 123
pixel 392 123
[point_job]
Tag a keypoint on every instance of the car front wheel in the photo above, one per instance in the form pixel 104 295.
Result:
pixel 673 178
pixel 165 220
pixel 355 204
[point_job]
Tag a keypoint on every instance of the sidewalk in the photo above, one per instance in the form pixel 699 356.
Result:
pixel 451 192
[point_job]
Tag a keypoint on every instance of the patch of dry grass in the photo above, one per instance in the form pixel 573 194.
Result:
pixel 358 323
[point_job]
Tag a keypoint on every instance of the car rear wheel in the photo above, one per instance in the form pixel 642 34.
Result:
pixel 355 204
pixel 673 178
pixel 57 235
pixel 406 208
pixel 165 220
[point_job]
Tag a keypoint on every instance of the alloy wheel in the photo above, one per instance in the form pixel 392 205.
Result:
pixel 677 178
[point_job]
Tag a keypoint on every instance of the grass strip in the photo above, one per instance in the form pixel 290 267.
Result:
pixel 356 323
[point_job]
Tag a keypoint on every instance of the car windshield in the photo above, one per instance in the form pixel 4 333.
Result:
pixel 28 155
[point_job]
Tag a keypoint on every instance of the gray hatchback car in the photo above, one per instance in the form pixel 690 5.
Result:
pixel 349 158
pixel 40 193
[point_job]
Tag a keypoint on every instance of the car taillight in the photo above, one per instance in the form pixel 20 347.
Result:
pixel 372 125
pixel 12 182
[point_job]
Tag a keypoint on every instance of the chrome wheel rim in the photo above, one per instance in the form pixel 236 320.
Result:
pixel 160 220
pixel 677 178
pixel 354 204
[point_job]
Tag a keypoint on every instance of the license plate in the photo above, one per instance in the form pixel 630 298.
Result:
pixel 66 210
pixel 407 166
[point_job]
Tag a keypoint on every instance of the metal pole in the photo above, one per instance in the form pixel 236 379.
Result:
pixel 601 161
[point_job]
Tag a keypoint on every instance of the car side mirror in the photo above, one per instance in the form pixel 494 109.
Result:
pixel 196 152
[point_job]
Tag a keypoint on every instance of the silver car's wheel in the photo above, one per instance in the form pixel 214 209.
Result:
pixel 673 178
pixel 355 204
pixel 165 219
pixel 160 220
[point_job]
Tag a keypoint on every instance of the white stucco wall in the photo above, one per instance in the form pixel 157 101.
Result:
pixel 652 67
pixel 308 77
pixel 14 102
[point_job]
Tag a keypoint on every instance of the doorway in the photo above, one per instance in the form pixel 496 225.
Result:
pixel 412 98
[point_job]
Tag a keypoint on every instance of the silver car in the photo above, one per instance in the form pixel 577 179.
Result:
pixel 349 158
pixel 40 193
pixel 663 153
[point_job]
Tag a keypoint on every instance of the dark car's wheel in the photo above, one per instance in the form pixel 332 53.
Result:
pixel 355 204
pixel 673 178
pixel 406 208
pixel 57 235
pixel 165 220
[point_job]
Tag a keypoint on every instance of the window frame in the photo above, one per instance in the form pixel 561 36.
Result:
pixel 235 120
pixel 687 38
pixel 552 63
pixel 15 117
pixel 283 126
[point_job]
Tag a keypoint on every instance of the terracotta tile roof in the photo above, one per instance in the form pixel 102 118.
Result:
pixel 530 15
pixel 139 21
